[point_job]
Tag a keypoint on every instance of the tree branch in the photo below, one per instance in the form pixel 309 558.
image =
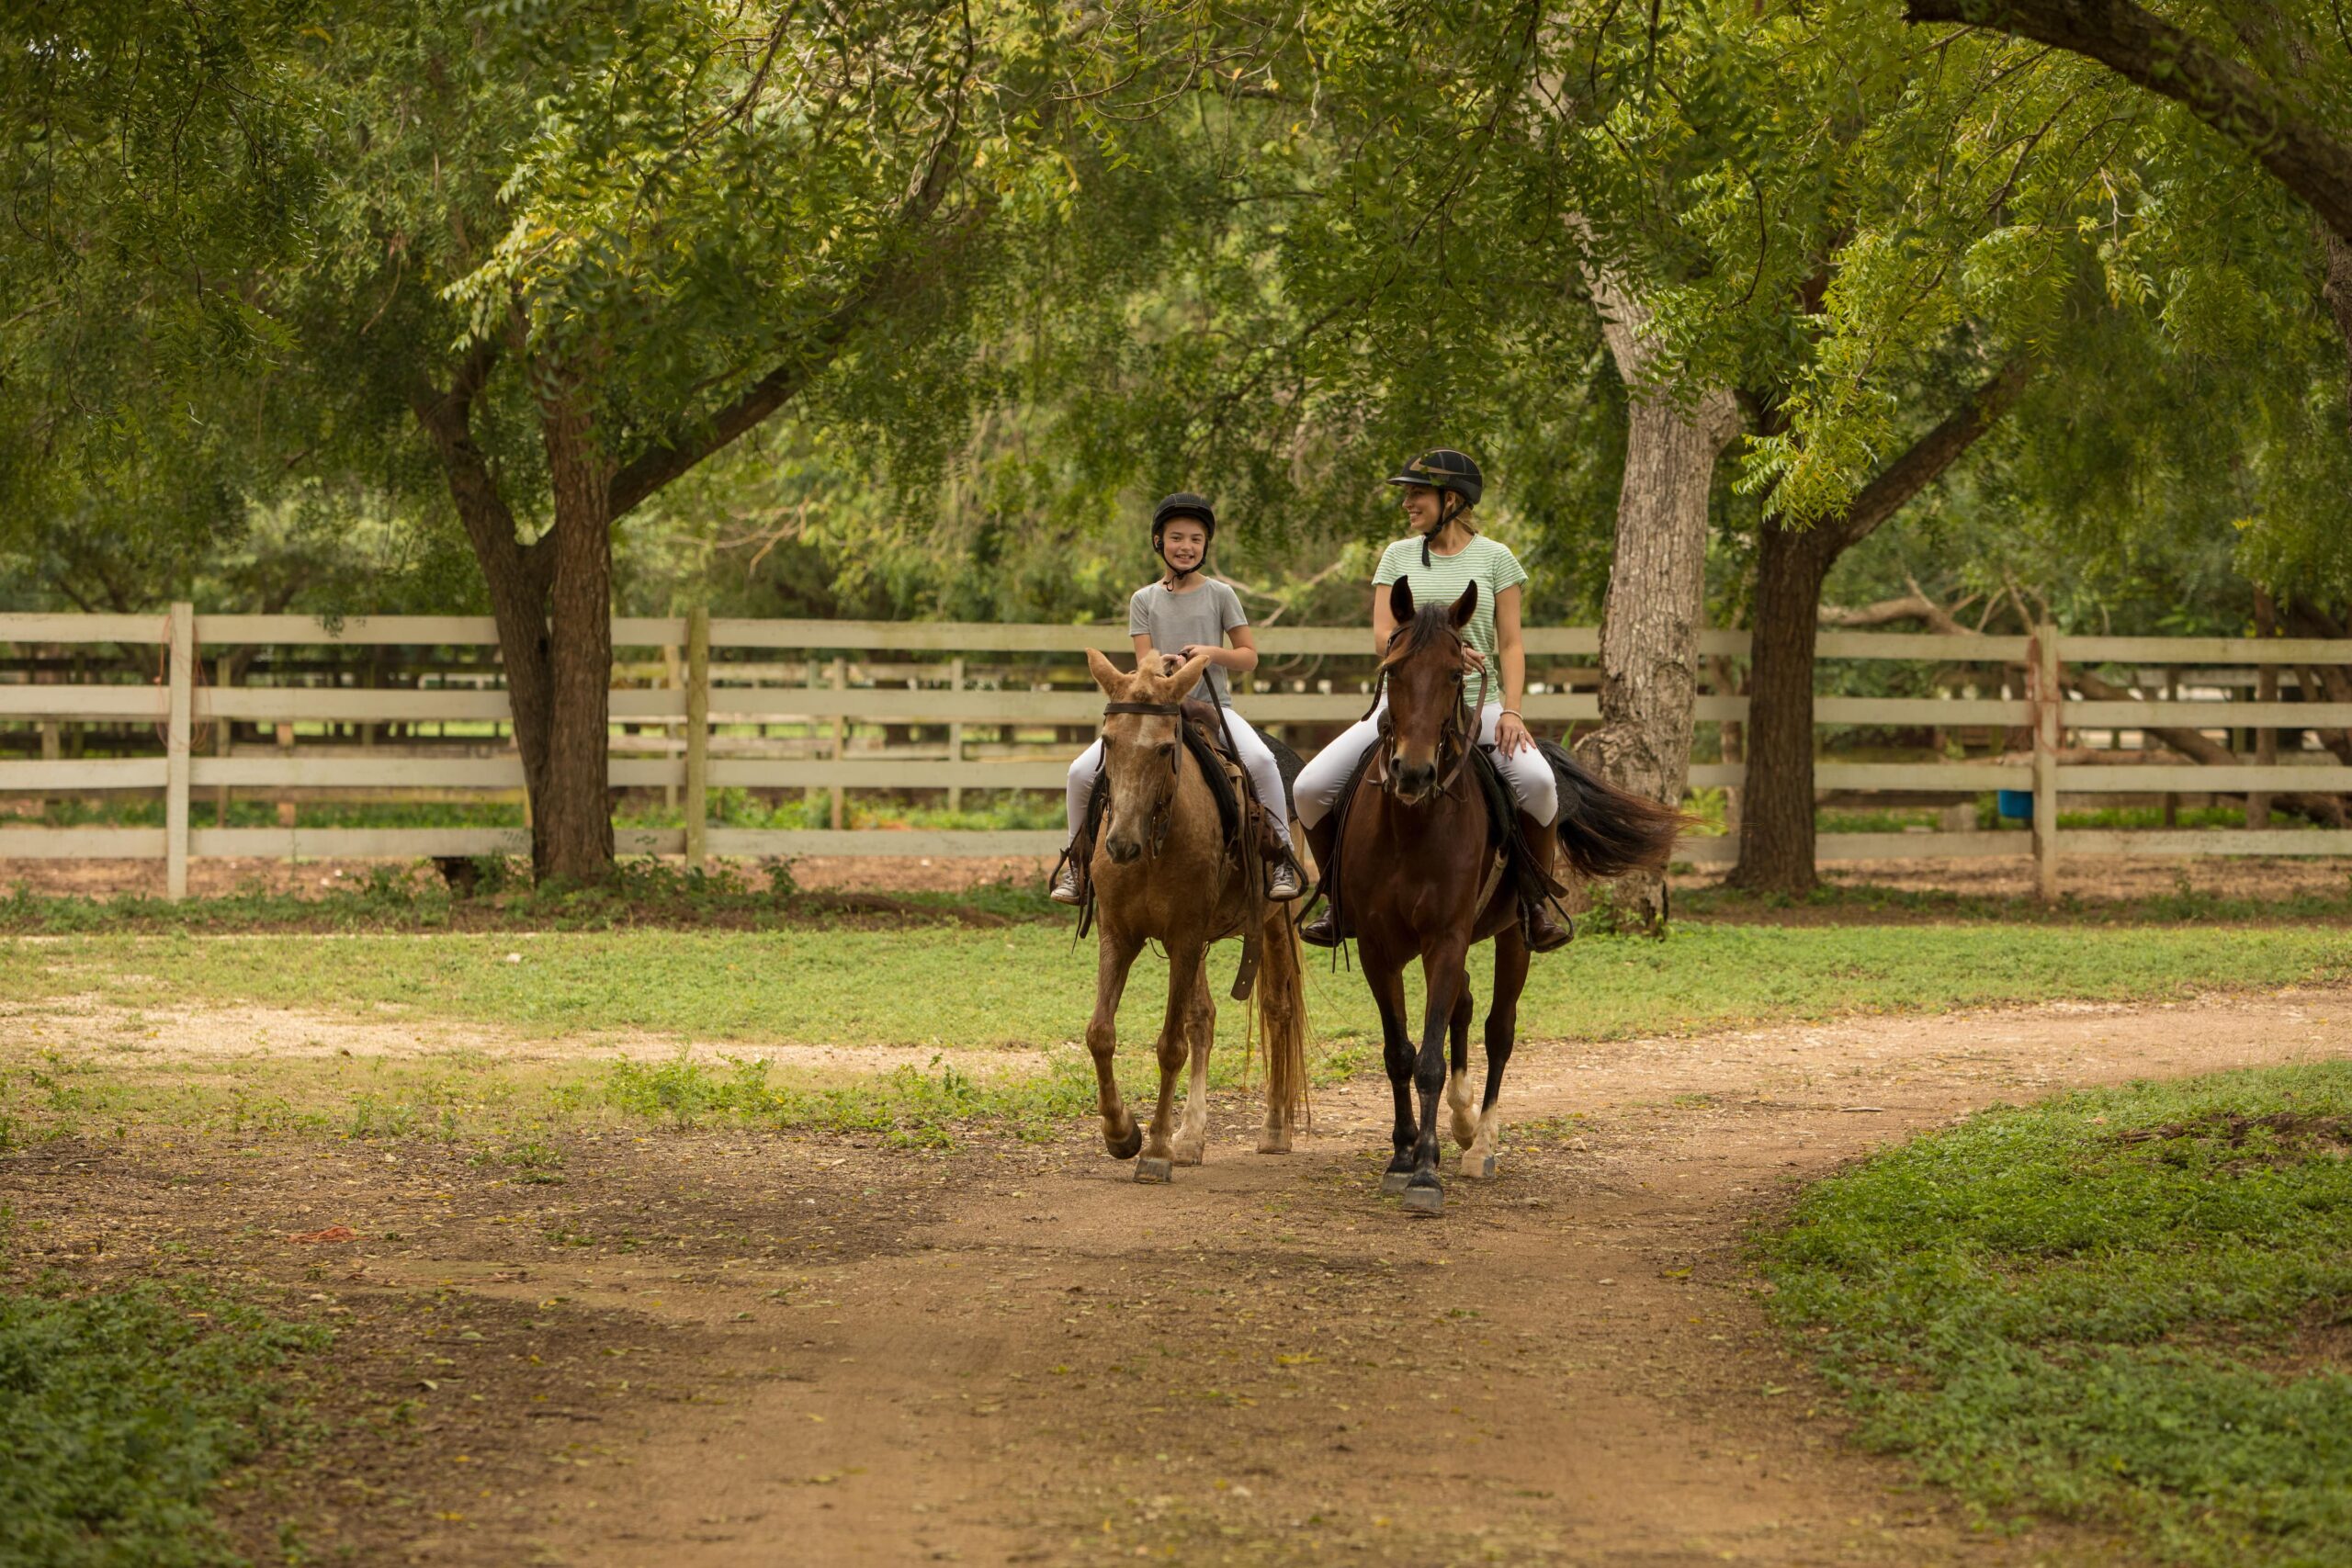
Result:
pixel 901 263
pixel 2247 107
pixel 1932 453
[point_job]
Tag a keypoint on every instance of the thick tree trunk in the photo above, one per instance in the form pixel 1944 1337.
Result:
pixel 1657 601
pixel 571 822
pixel 1776 829
pixel 1776 836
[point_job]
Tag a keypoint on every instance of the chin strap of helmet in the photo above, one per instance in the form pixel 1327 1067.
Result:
pixel 1449 507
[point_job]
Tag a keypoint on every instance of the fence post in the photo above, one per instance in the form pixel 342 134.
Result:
pixel 2047 695
pixel 955 735
pixel 178 724
pixel 2266 690
pixel 697 735
pixel 840 737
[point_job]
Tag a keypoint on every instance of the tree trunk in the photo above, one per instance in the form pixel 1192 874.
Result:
pixel 1776 839
pixel 1776 831
pixel 1656 601
pixel 572 817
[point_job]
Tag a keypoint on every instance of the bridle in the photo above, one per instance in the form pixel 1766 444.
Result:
pixel 1458 730
pixel 1155 830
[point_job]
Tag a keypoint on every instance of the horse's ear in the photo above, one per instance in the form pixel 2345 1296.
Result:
pixel 1466 606
pixel 1187 672
pixel 1400 601
pixel 1106 674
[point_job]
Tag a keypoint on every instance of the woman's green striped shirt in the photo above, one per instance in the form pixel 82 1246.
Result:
pixel 1483 561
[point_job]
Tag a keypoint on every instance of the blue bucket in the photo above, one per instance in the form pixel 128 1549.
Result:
pixel 2017 804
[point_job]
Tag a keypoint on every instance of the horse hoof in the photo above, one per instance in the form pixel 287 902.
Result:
pixel 1272 1143
pixel 1155 1170
pixel 1189 1156
pixel 1394 1181
pixel 1123 1148
pixel 1424 1200
pixel 1478 1169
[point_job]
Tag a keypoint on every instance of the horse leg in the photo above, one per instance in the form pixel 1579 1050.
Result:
pixel 1200 1033
pixel 1159 1158
pixel 1443 967
pixel 1114 956
pixel 1458 1077
pixel 1503 1034
pixel 1388 986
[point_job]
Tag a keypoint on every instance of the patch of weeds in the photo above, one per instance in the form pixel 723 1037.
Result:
pixel 121 1412
pixel 2123 1306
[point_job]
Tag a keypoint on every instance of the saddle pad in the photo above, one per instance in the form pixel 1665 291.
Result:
pixel 1211 756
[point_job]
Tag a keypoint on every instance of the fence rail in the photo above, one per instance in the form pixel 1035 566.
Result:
pixel 702 696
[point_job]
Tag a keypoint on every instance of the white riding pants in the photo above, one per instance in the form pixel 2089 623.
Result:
pixel 1529 775
pixel 1256 756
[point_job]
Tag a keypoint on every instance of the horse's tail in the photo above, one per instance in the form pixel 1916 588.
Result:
pixel 1606 831
pixel 1281 999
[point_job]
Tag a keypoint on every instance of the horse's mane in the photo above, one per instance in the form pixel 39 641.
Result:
pixel 1429 622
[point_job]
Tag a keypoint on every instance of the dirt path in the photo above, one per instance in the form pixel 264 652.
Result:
pixel 718 1350
pixel 1264 1364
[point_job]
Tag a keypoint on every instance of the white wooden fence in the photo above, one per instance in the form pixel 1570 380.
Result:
pixel 701 704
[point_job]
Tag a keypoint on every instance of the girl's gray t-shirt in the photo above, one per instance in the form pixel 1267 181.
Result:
pixel 1172 620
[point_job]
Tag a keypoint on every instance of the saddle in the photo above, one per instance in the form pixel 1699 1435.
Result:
pixel 1512 857
pixel 1251 842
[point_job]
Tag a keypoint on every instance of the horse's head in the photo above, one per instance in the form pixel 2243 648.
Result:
pixel 1424 675
pixel 1141 755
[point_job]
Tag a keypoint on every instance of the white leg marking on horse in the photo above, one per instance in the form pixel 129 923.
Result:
pixel 1478 1160
pixel 1458 1101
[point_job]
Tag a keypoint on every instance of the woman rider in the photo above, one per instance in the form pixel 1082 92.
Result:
pixel 1181 614
pixel 1446 554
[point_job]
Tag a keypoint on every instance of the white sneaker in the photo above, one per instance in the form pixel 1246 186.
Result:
pixel 1066 889
pixel 1283 884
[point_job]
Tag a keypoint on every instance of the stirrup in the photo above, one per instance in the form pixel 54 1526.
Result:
pixel 1542 933
pixel 1070 887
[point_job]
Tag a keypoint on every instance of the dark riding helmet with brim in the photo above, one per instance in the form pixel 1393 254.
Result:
pixel 1444 470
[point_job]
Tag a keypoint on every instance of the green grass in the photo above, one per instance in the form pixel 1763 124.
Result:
pixel 2126 1306
pixel 1030 985
pixel 416 897
pixel 1022 991
pixel 120 1414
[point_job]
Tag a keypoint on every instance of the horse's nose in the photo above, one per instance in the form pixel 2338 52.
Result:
pixel 1414 778
pixel 1123 850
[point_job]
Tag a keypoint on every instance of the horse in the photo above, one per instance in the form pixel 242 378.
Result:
pixel 1163 870
pixel 1414 855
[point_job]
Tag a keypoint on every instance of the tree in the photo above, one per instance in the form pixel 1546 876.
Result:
pixel 563 257
pixel 2280 89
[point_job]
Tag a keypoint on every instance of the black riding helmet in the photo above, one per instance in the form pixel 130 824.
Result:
pixel 1183 504
pixel 1450 473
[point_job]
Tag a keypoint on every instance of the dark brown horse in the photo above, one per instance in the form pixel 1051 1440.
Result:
pixel 1422 880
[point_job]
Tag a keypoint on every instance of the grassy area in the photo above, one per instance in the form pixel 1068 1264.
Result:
pixel 1030 985
pixel 1027 985
pixel 1021 991
pixel 2126 1306
pixel 119 1414
pixel 2186 904
pixel 642 892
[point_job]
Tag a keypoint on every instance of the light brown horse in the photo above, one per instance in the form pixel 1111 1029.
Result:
pixel 1162 873
pixel 1421 881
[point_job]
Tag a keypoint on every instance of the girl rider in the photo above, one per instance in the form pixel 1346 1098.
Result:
pixel 1182 615
pixel 1445 554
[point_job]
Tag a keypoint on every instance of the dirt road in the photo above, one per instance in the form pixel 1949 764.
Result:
pixel 708 1350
